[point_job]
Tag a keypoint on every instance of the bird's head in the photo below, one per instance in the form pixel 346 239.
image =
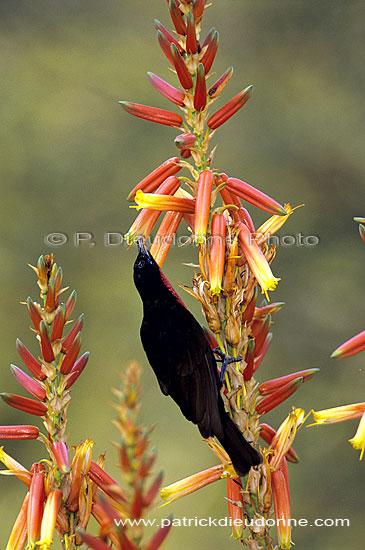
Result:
pixel 146 272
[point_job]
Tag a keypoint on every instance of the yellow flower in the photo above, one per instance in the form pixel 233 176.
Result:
pixel 49 519
pixel 273 224
pixel 193 483
pixel 285 435
pixel 338 414
pixel 358 441
pixel 163 203
pixel 256 260
pixel 15 468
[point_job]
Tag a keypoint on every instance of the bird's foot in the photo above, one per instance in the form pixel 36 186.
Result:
pixel 225 360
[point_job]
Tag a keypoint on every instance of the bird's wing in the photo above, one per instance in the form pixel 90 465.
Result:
pixel 195 380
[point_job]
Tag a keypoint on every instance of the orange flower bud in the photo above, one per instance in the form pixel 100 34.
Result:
pixel 200 94
pixel 18 432
pixel 230 108
pixel 351 347
pixel 181 69
pixel 153 114
pixel 278 396
pixel 272 385
pixel 24 404
pixel 191 40
pixel 165 89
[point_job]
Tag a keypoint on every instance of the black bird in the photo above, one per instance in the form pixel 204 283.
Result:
pixel 183 361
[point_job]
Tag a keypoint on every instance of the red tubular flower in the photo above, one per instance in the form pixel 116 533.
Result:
pixel 153 114
pixel 165 89
pixel 77 369
pixel 170 38
pixel 281 497
pixel 165 236
pixel 272 385
pixel 24 404
pixel 151 182
pixel 217 252
pixel 198 8
pixel 263 351
pixel 249 359
pixel 200 94
pixel 177 18
pixel 191 40
pixel 235 506
pixel 230 108
pixel 58 324
pixel 158 538
pixel 10 433
pixel 153 490
pixel 260 337
pixel 185 141
pixel 209 55
pixel 165 46
pixel 50 304
pixel 78 326
pixel 105 482
pixel 221 83
pixel 267 433
pixel 31 385
pixel 254 196
pixel 46 345
pixel 34 313
pixel 181 69
pixel 227 197
pixel 29 361
pixel 278 396
pixel 202 205
pixel 91 541
pixel 71 355
pixel 35 505
pixel 243 215
pixel 261 312
pixel 60 451
pixel 351 347
pixel 70 304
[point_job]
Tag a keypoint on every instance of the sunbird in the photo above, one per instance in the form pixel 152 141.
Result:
pixel 183 361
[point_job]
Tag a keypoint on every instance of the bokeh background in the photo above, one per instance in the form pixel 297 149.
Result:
pixel 70 155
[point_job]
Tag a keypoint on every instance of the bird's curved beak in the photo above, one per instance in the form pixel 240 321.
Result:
pixel 141 246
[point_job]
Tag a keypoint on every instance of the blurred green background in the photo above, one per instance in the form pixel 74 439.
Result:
pixel 70 155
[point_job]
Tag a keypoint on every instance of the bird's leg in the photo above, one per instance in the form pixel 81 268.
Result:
pixel 225 360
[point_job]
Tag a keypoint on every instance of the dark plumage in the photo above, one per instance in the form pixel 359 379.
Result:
pixel 183 362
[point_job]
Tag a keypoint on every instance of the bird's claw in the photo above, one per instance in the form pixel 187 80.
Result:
pixel 225 360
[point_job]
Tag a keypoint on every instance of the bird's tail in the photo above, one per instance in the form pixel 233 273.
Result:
pixel 241 453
